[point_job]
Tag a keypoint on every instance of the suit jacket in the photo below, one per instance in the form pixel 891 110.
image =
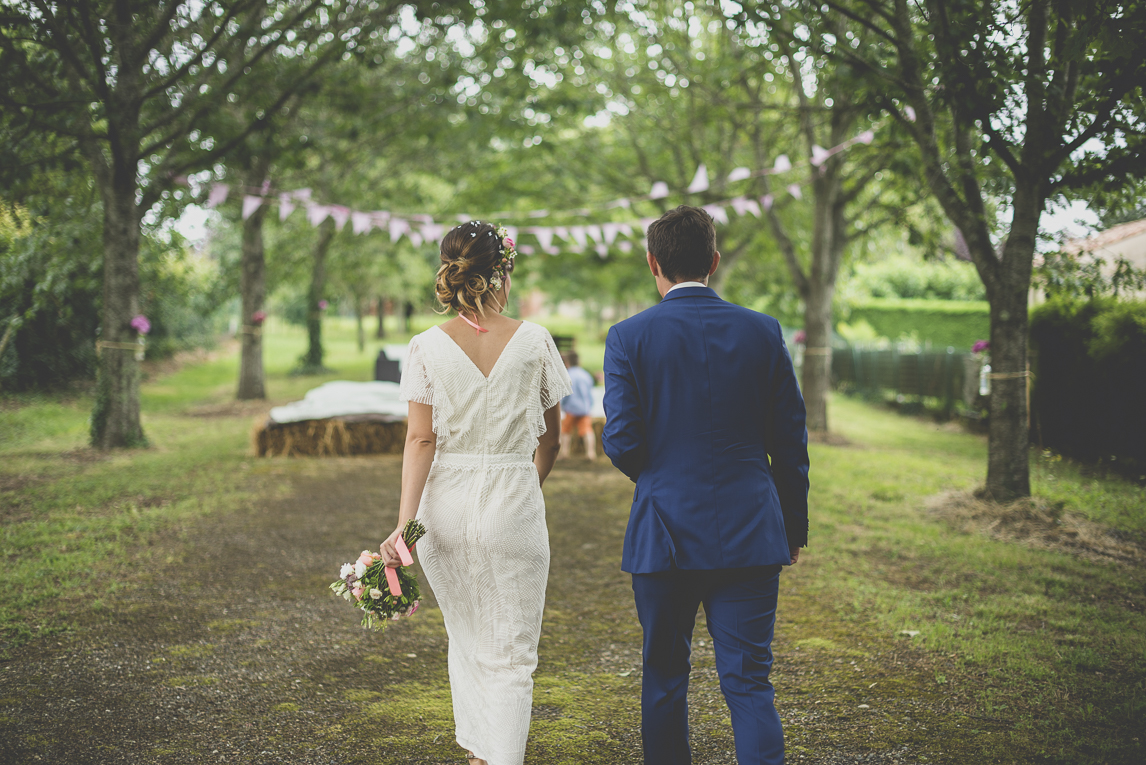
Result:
pixel 704 414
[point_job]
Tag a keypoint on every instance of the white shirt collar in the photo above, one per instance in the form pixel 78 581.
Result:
pixel 678 285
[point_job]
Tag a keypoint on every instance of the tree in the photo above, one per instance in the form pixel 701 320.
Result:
pixel 853 192
pixel 695 86
pixel 363 103
pixel 1007 104
pixel 128 84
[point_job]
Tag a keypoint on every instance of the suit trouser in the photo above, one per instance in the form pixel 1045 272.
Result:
pixel 740 608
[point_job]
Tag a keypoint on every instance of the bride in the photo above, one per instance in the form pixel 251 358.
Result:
pixel 483 434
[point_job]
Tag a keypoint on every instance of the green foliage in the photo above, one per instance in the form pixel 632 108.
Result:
pixel 902 276
pixel 181 293
pixel 941 323
pixel 51 265
pixel 50 275
pixel 1078 277
pixel 1089 365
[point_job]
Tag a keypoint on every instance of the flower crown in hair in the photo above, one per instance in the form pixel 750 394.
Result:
pixel 508 253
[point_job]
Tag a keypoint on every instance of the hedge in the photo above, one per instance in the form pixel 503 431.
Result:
pixel 1089 364
pixel 943 323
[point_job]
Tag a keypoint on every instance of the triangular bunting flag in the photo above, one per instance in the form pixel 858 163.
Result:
pixel 286 206
pixel 718 213
pixel 397 228
pixel 217 195
pixel 316 214
pixel 360 222
pixel 340 214
pixel 699 181
pixel 544 237
pixel 432 232
pixel 250 204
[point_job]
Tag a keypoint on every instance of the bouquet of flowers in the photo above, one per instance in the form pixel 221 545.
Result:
pixel 382 592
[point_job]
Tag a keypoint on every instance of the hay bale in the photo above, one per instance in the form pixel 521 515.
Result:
pixel 334 437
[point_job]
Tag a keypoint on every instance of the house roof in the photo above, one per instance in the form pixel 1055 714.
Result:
pixel 1110 236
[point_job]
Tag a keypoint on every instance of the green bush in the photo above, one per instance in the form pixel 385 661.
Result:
pixel 1089 362
pixel 181 294
pixel 51 283
pixel 942 323
pixel 901 276
pixel 50 291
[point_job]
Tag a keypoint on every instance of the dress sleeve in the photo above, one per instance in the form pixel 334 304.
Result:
pixel 555 383
pixel 416 385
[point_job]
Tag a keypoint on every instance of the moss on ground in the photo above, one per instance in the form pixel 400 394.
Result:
pixel 901 638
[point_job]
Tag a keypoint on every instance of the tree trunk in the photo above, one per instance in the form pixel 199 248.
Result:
pixel 380 309
pixel 253 291
pixel 817 354
pixel 312 359
pixel 115 419
pixel 361 330
pixel 1008 466
pixel 1008 469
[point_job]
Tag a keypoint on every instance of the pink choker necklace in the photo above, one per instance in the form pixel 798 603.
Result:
pixel 473 324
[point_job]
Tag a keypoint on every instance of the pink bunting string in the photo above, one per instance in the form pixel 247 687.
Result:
pixel 419 228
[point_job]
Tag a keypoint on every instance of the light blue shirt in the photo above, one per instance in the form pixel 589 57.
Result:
pixel 580 402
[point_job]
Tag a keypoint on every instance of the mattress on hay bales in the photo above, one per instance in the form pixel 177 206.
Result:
pixel 335 419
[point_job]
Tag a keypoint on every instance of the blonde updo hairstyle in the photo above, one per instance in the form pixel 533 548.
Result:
pixel 470 252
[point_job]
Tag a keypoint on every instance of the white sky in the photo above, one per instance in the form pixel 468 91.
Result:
pixel 192 224
pixel 1066 221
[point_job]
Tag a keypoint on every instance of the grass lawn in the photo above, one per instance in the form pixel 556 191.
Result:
pixel 1049 645
pixel 1044 650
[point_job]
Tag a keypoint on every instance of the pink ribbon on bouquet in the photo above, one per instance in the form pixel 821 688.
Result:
pixel 392 573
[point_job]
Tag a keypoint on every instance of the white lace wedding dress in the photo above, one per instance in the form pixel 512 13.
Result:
pixel 486 549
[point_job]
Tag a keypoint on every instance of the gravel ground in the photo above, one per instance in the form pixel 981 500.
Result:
pixel 235 652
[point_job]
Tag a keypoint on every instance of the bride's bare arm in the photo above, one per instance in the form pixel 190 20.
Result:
pixel 549 443
pixel 417 456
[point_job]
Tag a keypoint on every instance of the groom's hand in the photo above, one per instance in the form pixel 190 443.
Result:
pixel 795 553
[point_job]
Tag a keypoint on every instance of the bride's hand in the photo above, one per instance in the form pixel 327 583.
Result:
pixel 389 551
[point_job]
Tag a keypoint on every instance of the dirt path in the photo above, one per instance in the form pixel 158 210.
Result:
pixel 235 652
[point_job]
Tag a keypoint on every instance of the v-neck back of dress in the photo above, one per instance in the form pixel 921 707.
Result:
pixel 485 376
pixel 497 414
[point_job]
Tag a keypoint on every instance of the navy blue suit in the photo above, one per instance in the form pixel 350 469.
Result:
pixel 704 414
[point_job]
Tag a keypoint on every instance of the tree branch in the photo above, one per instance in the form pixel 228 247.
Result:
pixel 207 46
pixel 787 249
pixel 60 41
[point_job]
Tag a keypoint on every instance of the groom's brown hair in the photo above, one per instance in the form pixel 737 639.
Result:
pixel 683 241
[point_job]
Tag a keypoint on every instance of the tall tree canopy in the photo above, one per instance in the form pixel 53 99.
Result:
pixel 1010 105
pixel 128 84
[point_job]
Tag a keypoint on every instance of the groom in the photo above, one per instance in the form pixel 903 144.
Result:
pixel 704 414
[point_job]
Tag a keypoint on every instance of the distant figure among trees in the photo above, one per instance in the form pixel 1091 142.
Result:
pixel 577 409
